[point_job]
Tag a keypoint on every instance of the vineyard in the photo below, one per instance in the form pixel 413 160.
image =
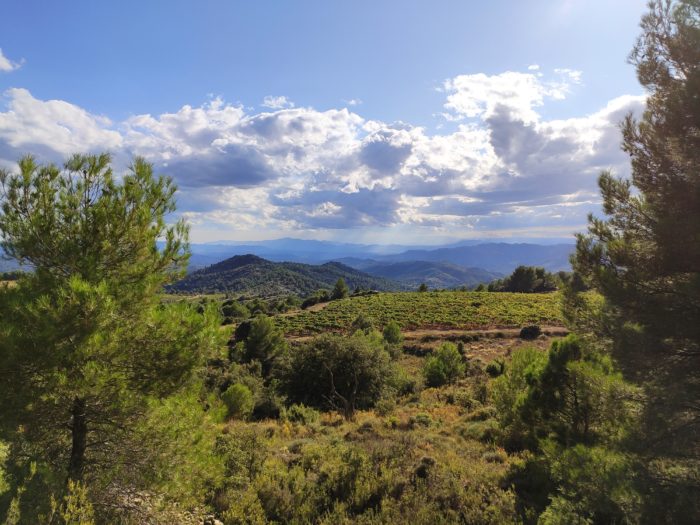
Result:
pixel 414 310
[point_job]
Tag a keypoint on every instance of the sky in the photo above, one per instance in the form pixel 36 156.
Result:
pixel 382 121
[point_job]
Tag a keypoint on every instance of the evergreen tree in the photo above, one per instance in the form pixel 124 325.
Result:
pixel 645 257
pixel 341 290
pixel 84 339
pixel 264 342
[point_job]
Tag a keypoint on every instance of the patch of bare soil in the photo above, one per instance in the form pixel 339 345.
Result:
pixel 485 345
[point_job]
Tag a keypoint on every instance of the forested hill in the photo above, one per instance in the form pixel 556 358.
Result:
pixel 250 274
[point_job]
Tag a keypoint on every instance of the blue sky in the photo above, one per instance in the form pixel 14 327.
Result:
pixel 373 121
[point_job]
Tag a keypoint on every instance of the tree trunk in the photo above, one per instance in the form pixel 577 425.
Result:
pixel 79 440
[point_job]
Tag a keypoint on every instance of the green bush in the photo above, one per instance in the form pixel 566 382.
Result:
pixel 299 413
pixel 392 333
pixel 239 401
pixel 434 372
pixel 362 323
pixel 338 372
pixel 232 309
pixel 530 332
pixel 495 368
pixel 444 366
pixel 405 384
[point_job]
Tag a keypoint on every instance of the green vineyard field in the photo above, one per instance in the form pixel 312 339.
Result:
pixel 430 310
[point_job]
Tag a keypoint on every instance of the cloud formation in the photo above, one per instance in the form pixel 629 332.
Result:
pixel 281 102
pixel 480 95
pixel 7 65
pixel 294 169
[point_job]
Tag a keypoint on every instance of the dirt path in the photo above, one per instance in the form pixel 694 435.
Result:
pixel 428 335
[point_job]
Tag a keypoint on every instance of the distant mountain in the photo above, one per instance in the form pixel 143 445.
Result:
pixel 296 250
pixel 495 257
pixel 252 275
pixel 433 274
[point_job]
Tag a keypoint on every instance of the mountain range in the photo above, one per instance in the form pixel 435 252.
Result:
pixel 498 257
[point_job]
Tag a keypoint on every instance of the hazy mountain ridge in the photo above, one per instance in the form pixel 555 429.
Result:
pixel 433 274
pixel 494 257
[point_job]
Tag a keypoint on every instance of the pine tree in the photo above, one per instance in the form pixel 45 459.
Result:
pixel 341 290
pixel 645 256
pixel 84 338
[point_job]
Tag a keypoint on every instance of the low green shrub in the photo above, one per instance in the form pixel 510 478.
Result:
pixel 239 401
pixel 444 366
pixel 299 413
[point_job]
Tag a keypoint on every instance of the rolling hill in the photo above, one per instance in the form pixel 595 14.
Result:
pixel 253 275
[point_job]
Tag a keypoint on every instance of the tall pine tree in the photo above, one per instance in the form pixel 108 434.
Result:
pixel 645 257
pixel 84 338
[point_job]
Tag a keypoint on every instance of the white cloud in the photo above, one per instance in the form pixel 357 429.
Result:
pixel 479 95
pixel 353 102
pixel 533 67
pixel 7 65
pixel 297 169
pixel 51 128
pixel 281 102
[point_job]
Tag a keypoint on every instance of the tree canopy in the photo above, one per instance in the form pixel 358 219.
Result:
pixel 644 257
pixel 84 339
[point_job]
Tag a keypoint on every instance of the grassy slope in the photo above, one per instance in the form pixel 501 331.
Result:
pixel 413 310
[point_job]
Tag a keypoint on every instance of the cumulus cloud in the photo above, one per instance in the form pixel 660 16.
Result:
pixel 503 167
pixel 480 95
pixel 7 65
pixel 281 102
pixel 51 128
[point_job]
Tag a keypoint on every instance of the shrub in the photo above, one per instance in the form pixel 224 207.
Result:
pixel 385 406
pixel 495 368
pixel 302 414
pixel 444 366
pixel 239 401
pixel 321 296
pixel 511 389
pixel 530 332
pixel 337 372
pixel 434 372
pixel 484 431
pixel 423 420
pixel 362 323
pixel 242 330
pixel 232 309
pixel 392 333
pixel 405 384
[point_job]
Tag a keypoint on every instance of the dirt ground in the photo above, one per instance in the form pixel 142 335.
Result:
pixel 484 345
